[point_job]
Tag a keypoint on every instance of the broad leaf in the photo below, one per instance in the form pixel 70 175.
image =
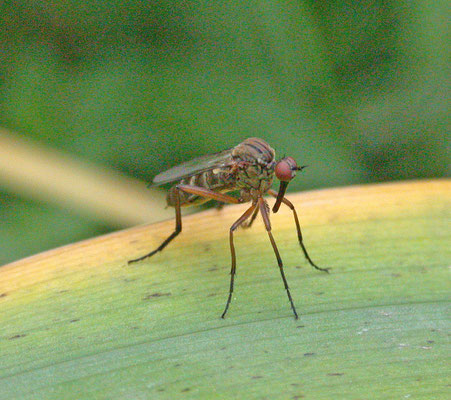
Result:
pixel 79 323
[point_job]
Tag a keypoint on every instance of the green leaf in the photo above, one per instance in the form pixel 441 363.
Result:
pixel 78 322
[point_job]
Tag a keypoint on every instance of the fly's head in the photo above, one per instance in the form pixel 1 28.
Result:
pixel 285 170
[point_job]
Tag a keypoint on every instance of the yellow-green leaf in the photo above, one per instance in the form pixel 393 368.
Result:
pixel 79 323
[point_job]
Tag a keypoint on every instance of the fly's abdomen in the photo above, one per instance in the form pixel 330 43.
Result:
pixel 214 180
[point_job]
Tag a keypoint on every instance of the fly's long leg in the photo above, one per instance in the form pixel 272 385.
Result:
pixel 252 219
pixel 298 228
pixel 208 194
pixel 264 211
pixel 237 223
pixel 200 191
pixel 178 229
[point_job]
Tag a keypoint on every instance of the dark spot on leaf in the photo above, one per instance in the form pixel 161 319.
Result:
pixel 3 295
pixel 298 267
pixel 178 365
pixel 257 377
pixel 298 396
pixel 75 320
pixel 207 247
pixel 17 336
pixel 156 294
pixel 161 390
pixel 300 326
pixel 430 341
pixel 63 291
pixel 395 275
pixel 214 268
pixel 335 374
pixel 129 279
pixel 186 390
pixel 211 294
pixel 318 293
pixel 309 354
pixel 135 327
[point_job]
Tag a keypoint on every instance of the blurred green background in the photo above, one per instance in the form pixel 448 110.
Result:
pixel 354 89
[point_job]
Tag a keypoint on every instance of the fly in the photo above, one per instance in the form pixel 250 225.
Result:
pixel 248 168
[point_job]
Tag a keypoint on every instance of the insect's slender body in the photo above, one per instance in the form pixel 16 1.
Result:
pixel 238 173
pixel 248 169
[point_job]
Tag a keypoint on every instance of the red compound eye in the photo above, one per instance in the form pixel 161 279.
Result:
pixel 286 169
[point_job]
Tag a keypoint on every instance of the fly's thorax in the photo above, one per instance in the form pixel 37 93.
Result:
pixel 256 163
pixel 255 177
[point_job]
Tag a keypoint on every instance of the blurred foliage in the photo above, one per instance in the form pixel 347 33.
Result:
pixel 355 89
pixel 35 226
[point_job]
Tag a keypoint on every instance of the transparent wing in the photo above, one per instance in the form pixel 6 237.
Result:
pixel 194 166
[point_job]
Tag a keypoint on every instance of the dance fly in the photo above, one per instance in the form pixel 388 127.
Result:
pixel 248 169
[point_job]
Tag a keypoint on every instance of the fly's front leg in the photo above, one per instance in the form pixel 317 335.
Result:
pixel 200 191
pixel 298 228
pixel 264 211
pixel 237 223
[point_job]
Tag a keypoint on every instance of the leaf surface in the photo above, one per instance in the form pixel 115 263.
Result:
pixel 78 322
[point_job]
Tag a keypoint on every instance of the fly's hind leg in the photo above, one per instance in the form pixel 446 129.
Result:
pixel 178 229
pixel 196 190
